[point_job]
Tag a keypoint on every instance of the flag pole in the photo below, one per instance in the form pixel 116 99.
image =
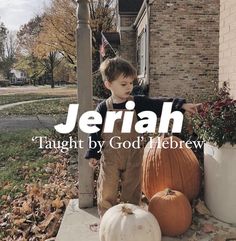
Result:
pixel 108 43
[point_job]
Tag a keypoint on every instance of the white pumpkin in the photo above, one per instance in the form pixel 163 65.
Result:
pixel 128 222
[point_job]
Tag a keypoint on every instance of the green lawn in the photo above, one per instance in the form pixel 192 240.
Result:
pixel 44 107
pixel 19 156
pixel 8 99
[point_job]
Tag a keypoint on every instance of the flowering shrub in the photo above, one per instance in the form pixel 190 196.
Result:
pixel 215 120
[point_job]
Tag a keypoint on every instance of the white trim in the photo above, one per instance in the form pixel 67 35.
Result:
pixel 142 51
pixel 140 13
pixel 141 76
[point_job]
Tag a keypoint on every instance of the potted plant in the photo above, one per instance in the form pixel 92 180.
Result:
pixel 215 123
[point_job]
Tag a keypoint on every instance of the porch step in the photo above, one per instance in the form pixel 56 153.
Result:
pixel 76 223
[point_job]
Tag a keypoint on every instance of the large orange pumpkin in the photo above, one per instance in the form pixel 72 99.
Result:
pixel 172 211
pixel 175 168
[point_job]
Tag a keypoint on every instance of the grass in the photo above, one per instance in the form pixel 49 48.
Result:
pixel 8 99
pixel 40 90
pixel 20 161
pixel 44 107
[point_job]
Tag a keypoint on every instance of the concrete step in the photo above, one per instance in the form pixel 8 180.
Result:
pixel 76 223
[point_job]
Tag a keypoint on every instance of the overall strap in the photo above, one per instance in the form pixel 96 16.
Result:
pixel 109 102
pixel 131 98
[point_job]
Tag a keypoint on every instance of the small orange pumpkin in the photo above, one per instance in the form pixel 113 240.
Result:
pixel 172 211
pixel 175 168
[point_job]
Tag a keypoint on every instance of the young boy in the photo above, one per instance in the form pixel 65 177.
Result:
pixel 122 164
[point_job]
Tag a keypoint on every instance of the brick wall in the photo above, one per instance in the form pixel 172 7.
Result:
pixel 227 62
pixel 127 48
pixel 184 47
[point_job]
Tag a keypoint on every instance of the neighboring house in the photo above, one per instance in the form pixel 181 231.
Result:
pixel 18 77
pixel 173 44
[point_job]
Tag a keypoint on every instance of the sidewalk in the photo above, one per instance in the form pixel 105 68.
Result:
pixel 28 122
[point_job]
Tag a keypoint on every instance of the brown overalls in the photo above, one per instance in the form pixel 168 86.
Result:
pixel 119 164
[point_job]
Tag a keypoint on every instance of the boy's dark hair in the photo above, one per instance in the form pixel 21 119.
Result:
pixel 111 69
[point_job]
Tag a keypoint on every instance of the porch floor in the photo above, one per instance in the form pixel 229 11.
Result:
pixel 76 227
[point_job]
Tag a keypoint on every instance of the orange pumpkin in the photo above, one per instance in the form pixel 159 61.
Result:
pixel 172 211
pixel 167 167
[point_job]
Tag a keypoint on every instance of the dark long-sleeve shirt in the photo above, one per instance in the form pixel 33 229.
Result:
pixel 142 103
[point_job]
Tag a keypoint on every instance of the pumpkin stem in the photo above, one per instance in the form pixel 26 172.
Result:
pixel 169 191
pixel 126 210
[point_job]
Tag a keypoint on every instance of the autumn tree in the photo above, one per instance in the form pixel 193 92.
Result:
pixel 63 73
pixel 3 35
pixel 26 60
pixel 57 35
pixel 59 24
pixel 9 57
pixel 28 34
pixel 102 15
pixel 50 63
pixel 11 45
pixel 7 50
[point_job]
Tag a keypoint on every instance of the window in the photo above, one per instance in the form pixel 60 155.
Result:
pixel 141 53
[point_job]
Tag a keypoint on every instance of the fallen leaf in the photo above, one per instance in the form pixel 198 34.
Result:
pixel 34 190
pixel 3 224
pixel 16 210
pixel 53 227
pixel 193 238
pixel 4 197
pixel 6 216
pixel 18 222
pixel 35 229
pixel 43 225
pixel 209 228
pixel 7 186
pixel 26 209
pixel 225 237
pixel 202 209
pixel 57 203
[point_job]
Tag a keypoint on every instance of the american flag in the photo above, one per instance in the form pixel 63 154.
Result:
pixel 103 46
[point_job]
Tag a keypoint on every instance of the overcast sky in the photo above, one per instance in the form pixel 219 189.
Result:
pixel 14 13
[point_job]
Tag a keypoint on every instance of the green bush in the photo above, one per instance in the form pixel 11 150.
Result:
pixel 4 83
pixel 99 89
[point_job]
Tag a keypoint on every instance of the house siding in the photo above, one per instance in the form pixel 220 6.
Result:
pixel 227 59
pixel 127 48
pixel 184 47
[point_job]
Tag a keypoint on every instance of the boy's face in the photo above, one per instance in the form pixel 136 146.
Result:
pixel 120 88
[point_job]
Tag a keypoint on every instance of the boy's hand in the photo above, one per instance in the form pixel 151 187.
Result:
pixel 191 108
pixel 93 162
